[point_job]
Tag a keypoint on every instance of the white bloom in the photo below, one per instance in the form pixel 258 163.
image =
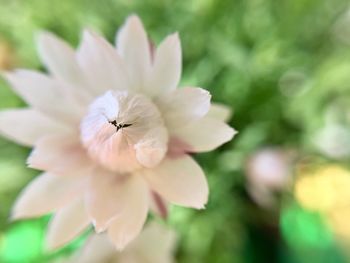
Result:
pixel 155 244
pixel 112 133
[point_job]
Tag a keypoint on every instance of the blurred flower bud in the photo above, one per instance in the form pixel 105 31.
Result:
pixel 268 172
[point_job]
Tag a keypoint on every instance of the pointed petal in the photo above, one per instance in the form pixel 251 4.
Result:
pixel 60 59
pixel 45 194
pixel 134 48
pixel 180 181
pixel 166 70
pixel 67 223
pixel 60 154
pixel 129 223
pixel 44 94
pixel 220 112
pixel 104 197
pixel 26 126
pixel 108 195
pixel 183 106
pixel 101 64
pixel 204 135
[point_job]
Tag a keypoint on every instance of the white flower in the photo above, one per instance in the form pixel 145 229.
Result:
pixel 155 244
pixel 112 133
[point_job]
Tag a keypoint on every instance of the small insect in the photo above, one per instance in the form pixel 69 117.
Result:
pixel 120 125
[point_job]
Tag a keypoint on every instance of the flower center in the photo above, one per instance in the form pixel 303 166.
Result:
pixel 124 132
pixel 119 125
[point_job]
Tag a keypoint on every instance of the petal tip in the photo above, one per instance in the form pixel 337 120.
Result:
pixel 120 243
pixel 133 22
pixel 201 205
pixel 174 37
pixel 133 19
pixel 7 75
pixel 17 215
pixel 14 216
pixel 99 228
pixel 87 34
pixel 233 132
pixel 42 36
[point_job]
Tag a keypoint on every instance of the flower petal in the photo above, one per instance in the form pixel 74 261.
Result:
pixel 183 106
pixel 134 48
pixel 166 71
pixel 26 126
pixel 59 57
pixel 45 194
pixel 204 135
pixel 44 94
pixel 220 112
pixel 101 64
pixel 98 248
pixel 158 205
pixel 155 244
pixel 60 154
pixel 108 196
pixel 128 224
pixel 180 181
pixel 67 223
pixel 153 147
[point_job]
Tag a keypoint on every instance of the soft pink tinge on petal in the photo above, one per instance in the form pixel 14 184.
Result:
pixel 152 49
pixel 158 205
pixel 60 154
pixel 151 149
pixel 178 147
pixel 183 106
pixel 27 126
pixel 45 194
pixel 133 46
pixel 124 149
pixel 205 134
pixel 66 224
pixel 128 224
pixel 180 181
pixel 166 69
pixel 101 64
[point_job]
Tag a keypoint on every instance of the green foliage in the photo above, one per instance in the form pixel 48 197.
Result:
pixel 280 65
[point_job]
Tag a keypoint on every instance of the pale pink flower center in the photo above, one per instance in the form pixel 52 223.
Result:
pixel 124 131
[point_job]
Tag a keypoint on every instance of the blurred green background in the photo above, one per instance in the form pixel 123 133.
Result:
pixel 280 191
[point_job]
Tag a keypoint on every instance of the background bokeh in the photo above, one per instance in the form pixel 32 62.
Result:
pixel 280 191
